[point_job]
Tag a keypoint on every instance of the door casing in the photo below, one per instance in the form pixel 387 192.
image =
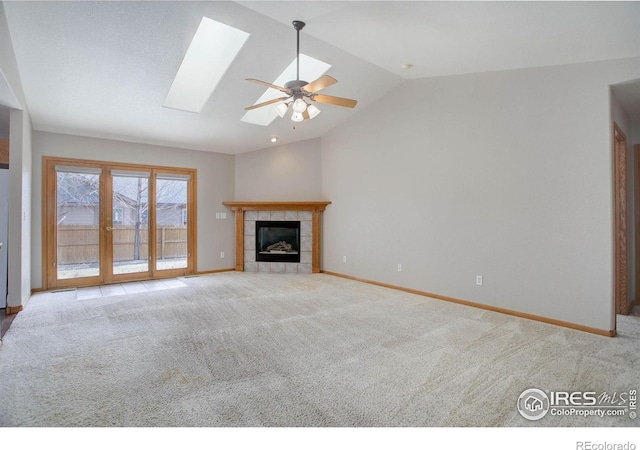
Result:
pixel 621 266
pixel 49 215
pixel 4 234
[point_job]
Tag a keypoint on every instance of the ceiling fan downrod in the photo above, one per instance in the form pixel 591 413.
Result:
pixel 298 25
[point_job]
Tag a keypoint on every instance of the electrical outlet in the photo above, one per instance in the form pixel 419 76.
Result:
pixel 221 255
pixel 344 259
pixel 479 280
pixel 399 267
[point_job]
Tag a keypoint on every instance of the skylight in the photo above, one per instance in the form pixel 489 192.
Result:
pixel 211 52
pixel 310 69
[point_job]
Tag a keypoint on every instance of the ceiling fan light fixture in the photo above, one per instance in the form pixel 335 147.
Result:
pixel 299 105
pixel 282 109
pixel 299 91
pixel 313 111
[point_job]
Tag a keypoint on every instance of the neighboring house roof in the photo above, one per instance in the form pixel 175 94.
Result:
pixel 84 189
pixel 78 188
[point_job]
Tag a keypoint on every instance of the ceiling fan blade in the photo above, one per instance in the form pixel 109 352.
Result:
pixel 331 100
pixel 272 86
pixel 321 83
pixel 259 105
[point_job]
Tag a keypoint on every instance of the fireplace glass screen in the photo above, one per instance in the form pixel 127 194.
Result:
pixel 278 241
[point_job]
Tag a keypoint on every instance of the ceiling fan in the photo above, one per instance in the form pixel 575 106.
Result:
pixel 299 91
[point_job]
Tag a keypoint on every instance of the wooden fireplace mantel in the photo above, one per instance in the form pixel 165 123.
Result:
pixel 277 206
pixel 316 208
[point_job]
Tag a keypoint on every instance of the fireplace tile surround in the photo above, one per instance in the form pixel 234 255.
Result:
pixel 250 264
pixel 308 213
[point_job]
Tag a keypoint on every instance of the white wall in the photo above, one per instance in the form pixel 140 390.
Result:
pixel 12 95
pixel 215 185
pixel 19 208
pixel 11 92
pixel 283 173
pixel 505 174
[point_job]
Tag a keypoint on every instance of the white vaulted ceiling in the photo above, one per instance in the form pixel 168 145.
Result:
pixel 104 69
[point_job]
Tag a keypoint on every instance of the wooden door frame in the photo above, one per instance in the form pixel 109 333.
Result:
pixel 636 208
pixel 49 214
pixel 109 276
pixel 191 219
pixel 620 188
pixel 49 229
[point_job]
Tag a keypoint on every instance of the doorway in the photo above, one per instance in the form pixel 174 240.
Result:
pixel 4 233
pixel 109 223
pixel 636 176
pixel 620 193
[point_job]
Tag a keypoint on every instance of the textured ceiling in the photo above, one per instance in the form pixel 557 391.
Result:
pixel 103 69
pixel 446 38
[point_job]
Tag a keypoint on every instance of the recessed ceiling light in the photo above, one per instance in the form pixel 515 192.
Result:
pixel 407 66
pixel 211 52
pixel 274 139
pixel 310 69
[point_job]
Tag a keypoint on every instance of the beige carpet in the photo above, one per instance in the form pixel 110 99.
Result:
pixel 237 349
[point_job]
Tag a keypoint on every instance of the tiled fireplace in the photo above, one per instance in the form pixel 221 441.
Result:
pixel 307 245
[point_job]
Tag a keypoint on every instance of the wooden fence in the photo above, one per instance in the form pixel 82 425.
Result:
pixel 80 243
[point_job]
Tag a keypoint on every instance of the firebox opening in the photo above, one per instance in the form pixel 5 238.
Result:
pixel 278 241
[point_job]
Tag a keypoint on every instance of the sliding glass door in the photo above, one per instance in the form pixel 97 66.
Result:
pixel 77 223
pixel 127 228
pixel 100 219
pixel 172 220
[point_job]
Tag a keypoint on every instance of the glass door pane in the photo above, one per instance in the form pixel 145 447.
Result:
pixel 129 222
pixel 112 222
pixel 77 222
pixel 171 222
